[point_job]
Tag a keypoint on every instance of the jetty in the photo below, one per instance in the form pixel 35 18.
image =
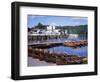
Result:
pixel 72 44
pixel 45 44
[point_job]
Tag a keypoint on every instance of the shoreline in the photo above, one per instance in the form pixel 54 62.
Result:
pixel 58 59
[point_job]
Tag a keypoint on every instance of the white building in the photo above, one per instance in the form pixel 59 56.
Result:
pixel 46 34
pixel 50 27
pixel 71 36
pixel 52 30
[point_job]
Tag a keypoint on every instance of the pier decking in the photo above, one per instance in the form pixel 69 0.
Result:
pixel 45 44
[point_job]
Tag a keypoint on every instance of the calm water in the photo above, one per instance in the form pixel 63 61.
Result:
pixel 81 51
pixel 70 51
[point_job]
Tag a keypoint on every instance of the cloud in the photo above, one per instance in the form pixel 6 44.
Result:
pixel 34 16
pixel 53 24
pixel 79 18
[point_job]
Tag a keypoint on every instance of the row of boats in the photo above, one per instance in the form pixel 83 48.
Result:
pixel 58 58
pixel 75 44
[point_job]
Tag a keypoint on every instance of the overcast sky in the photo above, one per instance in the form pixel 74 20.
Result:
pixel 33 20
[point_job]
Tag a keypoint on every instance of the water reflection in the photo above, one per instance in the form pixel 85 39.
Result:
pixel 70 51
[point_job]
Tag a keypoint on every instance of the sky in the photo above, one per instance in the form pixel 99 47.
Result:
pixel 33 20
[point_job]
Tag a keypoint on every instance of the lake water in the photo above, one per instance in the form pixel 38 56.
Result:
pixel 81 51
pixel 70 51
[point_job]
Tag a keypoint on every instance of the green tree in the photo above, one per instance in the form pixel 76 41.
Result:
pixel 40 25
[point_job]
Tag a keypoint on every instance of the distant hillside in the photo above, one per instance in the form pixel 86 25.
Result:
pixel 74 29
pixel 81 29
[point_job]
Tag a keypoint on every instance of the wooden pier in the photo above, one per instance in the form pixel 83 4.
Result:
pixel 45 44
pixel 73 44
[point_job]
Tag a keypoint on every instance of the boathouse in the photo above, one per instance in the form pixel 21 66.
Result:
pixel 49 33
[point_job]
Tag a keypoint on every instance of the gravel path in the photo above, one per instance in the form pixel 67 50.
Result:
pixel 37 62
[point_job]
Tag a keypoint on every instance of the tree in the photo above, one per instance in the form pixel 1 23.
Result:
pixel 40 25
pixel 29 29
